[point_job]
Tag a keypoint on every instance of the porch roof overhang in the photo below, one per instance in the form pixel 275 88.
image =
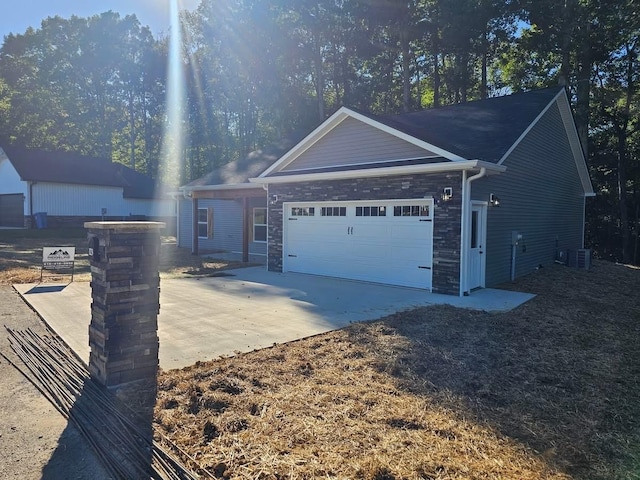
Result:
pixel 227 191
pixel 440 167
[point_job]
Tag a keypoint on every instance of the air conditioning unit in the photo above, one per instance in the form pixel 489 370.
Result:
pixel 583 258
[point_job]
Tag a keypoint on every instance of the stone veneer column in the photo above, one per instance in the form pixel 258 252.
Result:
pixel 125 293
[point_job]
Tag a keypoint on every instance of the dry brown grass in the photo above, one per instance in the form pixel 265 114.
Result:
pixel 549 390
pixel 21 256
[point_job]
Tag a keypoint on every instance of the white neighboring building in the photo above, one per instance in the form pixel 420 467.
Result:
pixel 72 189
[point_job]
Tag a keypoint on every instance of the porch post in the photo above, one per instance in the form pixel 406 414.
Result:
pixel 194 249
pixel 245 229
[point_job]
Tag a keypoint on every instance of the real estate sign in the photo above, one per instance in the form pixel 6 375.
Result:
pixel 58 258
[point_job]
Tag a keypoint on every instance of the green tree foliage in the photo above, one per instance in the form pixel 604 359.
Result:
pixel 91 85
pixel 260 71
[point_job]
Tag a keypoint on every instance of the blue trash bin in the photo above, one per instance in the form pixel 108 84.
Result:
pixel 41 219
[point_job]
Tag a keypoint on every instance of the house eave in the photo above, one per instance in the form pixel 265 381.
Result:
pixel 333 121
pixel 234 186
pixel 383 172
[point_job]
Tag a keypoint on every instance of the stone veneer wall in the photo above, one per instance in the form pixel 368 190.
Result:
pixel 125 293
pixel 447 215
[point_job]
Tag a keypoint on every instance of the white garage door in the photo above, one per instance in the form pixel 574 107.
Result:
pixel 384 242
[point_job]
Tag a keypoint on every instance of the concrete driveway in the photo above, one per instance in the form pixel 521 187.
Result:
pixel 247 309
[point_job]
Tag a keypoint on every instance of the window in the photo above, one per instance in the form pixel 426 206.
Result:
pixel 411 211
pixel 205 222
pixel 260 224
pixel 334 211
pixel 376 211
pixel 303 211
pixel 474 229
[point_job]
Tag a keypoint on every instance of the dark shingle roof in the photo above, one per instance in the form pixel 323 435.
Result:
pixel 68 167
pixel 478 130
pixel 240 171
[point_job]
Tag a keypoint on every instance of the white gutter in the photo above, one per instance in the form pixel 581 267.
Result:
pixel 383 172
pixel 233 186
pixel 465 227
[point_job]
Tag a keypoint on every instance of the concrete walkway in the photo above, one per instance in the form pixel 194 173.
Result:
pixel 247 309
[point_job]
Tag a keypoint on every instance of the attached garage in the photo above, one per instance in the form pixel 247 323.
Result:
pixel 12 210
pixel 378 241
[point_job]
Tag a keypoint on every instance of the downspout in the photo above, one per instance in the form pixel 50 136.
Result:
pixel 466 212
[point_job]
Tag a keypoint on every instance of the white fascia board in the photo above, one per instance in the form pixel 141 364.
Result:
pixel 304 144
pixel 562 101
pixel 383 172
pixel 576 147
pixel 408 138
pixel 333 121
pixel 234 186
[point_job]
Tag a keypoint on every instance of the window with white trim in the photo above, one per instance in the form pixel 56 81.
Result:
pixel 260 224
pixel 205 222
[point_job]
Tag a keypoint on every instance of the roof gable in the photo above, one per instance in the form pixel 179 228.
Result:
pixel 361 143
pixel 424 149
pixel 479 132
pixel 70 168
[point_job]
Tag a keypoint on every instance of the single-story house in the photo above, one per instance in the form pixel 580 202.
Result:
pixel 448 199
pixel 71 189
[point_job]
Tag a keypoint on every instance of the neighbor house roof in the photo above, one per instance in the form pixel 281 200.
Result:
pixel 69 167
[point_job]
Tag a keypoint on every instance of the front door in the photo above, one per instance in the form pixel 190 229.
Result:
pixel 477 242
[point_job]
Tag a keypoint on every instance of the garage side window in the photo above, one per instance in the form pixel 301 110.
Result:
pixel 260 224
pixel 205 222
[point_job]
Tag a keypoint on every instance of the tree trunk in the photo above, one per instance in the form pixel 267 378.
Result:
pixel 132 127
pixel 583 89
pixel 406 70
pixel 319 74
pixel 436 71
pixel 483 74
pixel 622 156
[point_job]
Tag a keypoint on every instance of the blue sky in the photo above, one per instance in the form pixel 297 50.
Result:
pixel 30 13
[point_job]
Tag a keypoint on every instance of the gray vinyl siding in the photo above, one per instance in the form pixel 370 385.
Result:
pixel 541 197
pixel 185 219
pixel 227 226
pixel 354 142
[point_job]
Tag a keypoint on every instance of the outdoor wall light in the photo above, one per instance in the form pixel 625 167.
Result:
pixel 274 199
pixel 494 201
pixel 447 194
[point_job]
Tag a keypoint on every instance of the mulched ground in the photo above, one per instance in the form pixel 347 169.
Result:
pixel 549 390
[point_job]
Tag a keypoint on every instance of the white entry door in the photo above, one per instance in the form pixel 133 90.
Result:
pixel 377 241
pixel 477 241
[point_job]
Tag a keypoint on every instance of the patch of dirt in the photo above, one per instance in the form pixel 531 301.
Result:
pixel 35 440
pixel 21 257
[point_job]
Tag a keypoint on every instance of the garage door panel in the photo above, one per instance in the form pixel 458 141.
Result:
pixel 12 210
pixel 384 249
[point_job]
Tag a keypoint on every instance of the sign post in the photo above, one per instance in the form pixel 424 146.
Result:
pixel 58 260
